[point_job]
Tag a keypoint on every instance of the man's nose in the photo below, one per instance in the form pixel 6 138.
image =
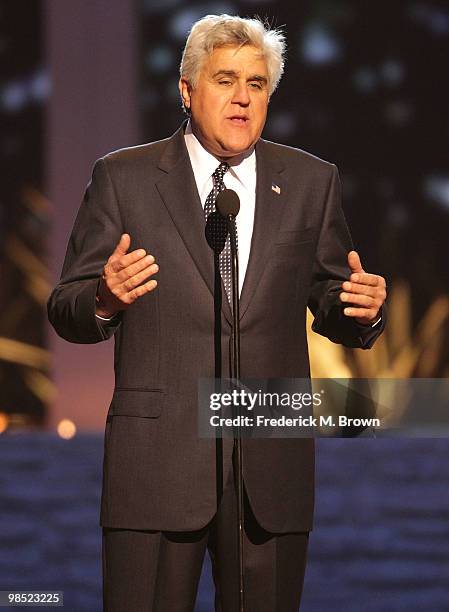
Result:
pixel 241 94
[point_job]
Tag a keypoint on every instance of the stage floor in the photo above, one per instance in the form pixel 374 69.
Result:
pixel 380 544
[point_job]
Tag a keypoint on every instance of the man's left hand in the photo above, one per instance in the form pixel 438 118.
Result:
pixel 364 293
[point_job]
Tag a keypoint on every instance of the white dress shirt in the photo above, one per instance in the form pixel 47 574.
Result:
pixel 241 177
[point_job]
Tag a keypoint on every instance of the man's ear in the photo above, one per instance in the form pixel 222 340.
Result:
pixel 184 90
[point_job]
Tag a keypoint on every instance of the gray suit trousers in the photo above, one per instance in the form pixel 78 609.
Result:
pixel 154 571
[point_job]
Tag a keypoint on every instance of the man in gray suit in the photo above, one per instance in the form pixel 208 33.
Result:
pixel 167 495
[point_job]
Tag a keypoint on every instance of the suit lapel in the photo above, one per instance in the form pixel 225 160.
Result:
pixel 180 195
pixel 269 207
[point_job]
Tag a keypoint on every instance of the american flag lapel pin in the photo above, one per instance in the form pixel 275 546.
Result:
pixel 276 188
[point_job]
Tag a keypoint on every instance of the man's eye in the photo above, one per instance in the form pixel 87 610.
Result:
pixel 224 82
pixel 256 85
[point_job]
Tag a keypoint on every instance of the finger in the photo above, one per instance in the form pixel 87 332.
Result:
pixel 354 262
pixel 141 290
pixel 366 279
pixel 359 299
pixel 135 268
pixel 359 288
pixel 379 294
pixel 363 313
pixel 139 278
pixel 122 246
pixel 382 282
pixel 126 260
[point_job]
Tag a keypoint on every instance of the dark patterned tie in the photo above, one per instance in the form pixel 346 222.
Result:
pixel 209 207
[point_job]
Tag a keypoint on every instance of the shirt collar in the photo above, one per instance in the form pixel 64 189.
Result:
pixel 204 163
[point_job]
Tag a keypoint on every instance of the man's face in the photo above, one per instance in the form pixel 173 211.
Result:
pixel 229 104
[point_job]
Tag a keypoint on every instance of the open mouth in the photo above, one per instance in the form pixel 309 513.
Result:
pixel 237 120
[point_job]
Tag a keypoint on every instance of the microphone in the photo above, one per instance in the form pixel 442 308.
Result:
pixel 227 203
pixel 216 232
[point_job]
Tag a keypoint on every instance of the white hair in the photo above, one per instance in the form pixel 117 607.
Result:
pixel 215 31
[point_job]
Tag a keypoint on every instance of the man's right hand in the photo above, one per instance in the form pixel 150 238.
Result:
pixel 123 275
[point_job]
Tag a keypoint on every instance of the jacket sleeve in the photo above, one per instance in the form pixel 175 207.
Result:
pixel 329 271
pixel 96 232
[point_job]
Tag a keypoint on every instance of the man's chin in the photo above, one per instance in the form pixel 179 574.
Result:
pixel 234 149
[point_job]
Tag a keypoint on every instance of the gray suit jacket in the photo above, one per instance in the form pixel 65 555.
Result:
pixel 158 474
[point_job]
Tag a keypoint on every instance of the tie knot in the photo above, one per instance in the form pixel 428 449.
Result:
pixel 220 172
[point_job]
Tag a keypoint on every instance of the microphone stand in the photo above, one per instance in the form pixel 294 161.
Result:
pixel 235 375
pixel 217 350
pixel 216 233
